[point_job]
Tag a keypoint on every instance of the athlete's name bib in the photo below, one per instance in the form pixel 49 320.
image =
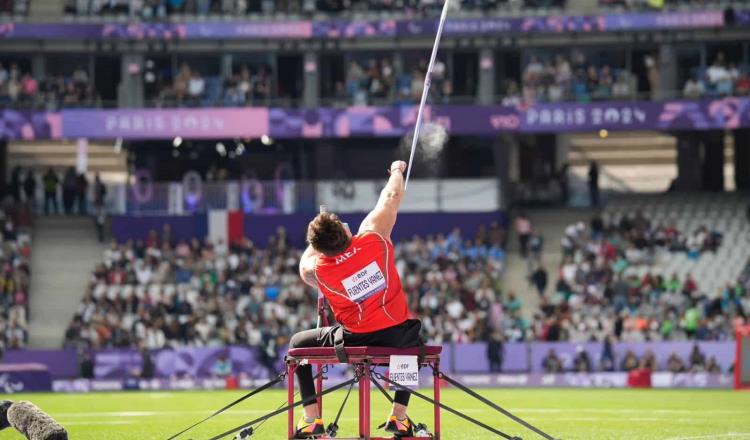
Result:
pixel 364 283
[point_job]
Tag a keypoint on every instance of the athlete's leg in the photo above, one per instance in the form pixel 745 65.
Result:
pixel 319 337
pixel 400 402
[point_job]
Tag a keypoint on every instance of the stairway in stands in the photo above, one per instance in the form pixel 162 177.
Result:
pixel 40 155
pixel 64 252
pixel 552 224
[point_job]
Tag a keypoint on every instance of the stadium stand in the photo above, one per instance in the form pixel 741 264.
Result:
pixel 156 293
pixel 658 267
pixel 556 79
pixel 162 9
pixel 722 78
pixel 15 276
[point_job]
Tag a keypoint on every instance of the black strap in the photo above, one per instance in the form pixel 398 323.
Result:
pixel 445 407
pixel 338 345
pixel 494 406
pixel 264 387
pixel 283 409
pixel 422 352
pixel 333 428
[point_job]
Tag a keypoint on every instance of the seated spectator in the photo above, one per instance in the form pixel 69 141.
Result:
pixel 693 89
pixel 713 366
pixel 742 86
pixel 675 364
pixel 719 77
pixel 648 362
pixel 629 362
pixel 196 87
pixel 222 367
pixel 697 359
pixel 552 363
pixel 607 362
pixel 582 362
pixel 621 89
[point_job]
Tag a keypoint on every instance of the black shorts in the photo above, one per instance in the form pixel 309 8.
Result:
pixel 404 335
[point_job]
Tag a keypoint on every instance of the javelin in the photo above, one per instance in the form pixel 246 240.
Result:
pixel 426 90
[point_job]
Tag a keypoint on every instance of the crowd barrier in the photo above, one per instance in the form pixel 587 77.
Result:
pixel 193 368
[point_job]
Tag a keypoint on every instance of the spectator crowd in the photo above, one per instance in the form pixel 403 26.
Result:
pixel 376 82
pixel 595 298
pixel 15 255
pixel 561 78
pixel 582 362
pixel 162 292
pixel 19 88
pixel 722 78
pixel 67 193
pixel 161 9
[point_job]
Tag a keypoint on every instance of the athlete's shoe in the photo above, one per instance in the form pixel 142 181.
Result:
pixel 399 428
pixel 310 430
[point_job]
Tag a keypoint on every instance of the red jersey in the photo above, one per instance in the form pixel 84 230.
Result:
pixel 362 285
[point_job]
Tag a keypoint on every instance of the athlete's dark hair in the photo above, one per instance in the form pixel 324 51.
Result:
pixel 326 234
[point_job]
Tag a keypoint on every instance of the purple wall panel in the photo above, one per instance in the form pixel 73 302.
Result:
pixel 62 364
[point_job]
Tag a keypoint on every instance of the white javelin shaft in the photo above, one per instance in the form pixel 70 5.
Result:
pixel 426 90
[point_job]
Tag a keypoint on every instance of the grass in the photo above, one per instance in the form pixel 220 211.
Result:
pixel 568 414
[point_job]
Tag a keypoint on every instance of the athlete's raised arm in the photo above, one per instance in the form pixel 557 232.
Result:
pixel 307 266
pixel 383 217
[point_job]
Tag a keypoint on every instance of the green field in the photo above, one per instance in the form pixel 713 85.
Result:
pixel 566 414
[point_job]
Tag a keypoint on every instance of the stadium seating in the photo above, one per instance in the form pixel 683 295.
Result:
pixel 158 294
pixel 14 278
pixel 724 213
pixel 655 267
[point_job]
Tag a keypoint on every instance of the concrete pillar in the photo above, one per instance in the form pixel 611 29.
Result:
pixel 742 159
pixel 667 72
pixel 3 166
pixel 689 162
pixel 503 151
pixel 130 91
pixel 226 65
pixel 82 155
pixel 713 161
pixel 398 64
pixel 311 80
pixel 486 89
pixel 38 66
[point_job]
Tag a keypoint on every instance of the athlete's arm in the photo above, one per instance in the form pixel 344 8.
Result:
pixel 383 217
pixel 307 266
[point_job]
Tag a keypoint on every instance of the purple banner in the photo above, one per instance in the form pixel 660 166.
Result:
pixel 182 362
pixel 29 125
pixel 249 363
pixel 354 29
pixel 20 378
pixel 394 121
pixel 472 358
pixel 166 124
pixel 371 29
pixel 62 364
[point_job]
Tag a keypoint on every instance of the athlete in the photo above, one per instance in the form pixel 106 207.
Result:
pixel 357 274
